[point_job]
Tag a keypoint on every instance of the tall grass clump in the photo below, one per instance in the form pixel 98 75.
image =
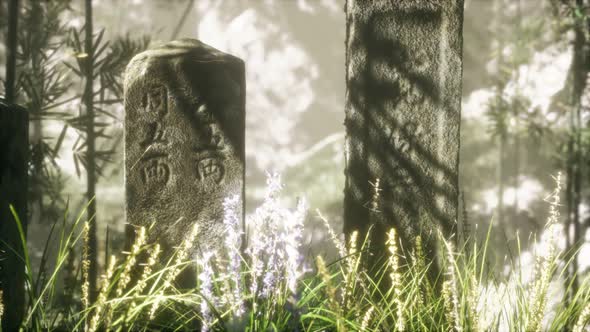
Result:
pixel 545 263
pixel 396 279
pixel 583 319
pixel 266 284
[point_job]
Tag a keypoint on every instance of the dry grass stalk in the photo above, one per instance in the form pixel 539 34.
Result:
pixel 472 301
pixel 367 319
pixel 350 272
pixel 450 292
pixel 396 278
pixel 181 257
pixel 325 275
pixel 425 292
pixel 85 268
pixel 337 243
pixel 125 277
pixel 102 297
pixel 147 271
pixel 544 263
pixel 583 319
pixel 331 291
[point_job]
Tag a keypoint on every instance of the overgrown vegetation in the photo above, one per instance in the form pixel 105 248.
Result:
pixel 269 287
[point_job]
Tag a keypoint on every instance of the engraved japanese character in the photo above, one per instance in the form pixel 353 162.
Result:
pixel 156 100
pixel 209 138
pixel 210 168
pixel 155 171
pixel 155 134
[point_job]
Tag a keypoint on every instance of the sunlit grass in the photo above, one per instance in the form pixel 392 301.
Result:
pixel 269 287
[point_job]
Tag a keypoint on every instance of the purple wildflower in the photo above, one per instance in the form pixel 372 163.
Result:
pixel 276 240
pixel 206 288
pixel 233 241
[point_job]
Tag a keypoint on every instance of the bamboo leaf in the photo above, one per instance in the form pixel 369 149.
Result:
pixel 82 146
pixel 60 140
pixel 60 103
pixel 100 110
pixel 76 165
pixel 76 142
pixel 76 71
pixel 100 51
pixel 97 41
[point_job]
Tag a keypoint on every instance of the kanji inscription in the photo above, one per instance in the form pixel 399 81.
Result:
pixel 184 139
pixel 155 171
pixel 156 100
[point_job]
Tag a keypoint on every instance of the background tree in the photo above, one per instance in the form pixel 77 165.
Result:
pixel 99 65
pixel 497 111
pixel 45 88
pixel 91 176
pixel 580 70
pixel 11 51
pixel 573 17
pixel 508 111
pixel 13 185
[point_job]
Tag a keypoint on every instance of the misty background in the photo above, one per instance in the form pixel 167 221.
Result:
pixel 295 76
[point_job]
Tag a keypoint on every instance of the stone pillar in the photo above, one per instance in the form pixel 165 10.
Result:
pixel 184 140
pixel 14 144
pixel 403 106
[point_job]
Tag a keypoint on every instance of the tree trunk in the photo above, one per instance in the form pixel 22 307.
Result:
pixel 14 124
pixel 501 176
pixel 516 114
pixel 578 74
pixel 11 51
pixel 585 105
pixel 500 85
pixel 580 71
pixel 403 104
pixel 91 178
pixel 35 108
pixel 569 240
pixel 13 186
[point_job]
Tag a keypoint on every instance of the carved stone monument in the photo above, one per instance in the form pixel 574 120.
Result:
pixel 184 140
pixel 14 144
pixel 403 106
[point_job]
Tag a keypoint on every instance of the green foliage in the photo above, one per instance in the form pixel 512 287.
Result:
pixel 43 87
pixel 341 296
pixel 110 59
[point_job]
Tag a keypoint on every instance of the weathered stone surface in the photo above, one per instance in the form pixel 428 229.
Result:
pixel 14 146
pixel 184 139
pixel 404 73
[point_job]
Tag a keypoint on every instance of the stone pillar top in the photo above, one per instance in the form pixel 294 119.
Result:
pixel 184 139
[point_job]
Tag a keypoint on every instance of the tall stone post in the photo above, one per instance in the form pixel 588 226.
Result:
pixel 403 106
pixel 184 141
pixel 14 146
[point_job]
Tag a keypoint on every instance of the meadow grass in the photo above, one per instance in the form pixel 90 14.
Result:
pixel 268 286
